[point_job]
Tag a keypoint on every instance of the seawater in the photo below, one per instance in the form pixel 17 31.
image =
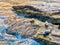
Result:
pixel 26 41
pixel 21 40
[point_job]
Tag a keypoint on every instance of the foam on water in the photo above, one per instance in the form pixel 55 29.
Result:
pixel 22 41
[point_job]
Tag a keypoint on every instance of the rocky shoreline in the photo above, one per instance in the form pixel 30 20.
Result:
pixel 24 26
pixel 34 31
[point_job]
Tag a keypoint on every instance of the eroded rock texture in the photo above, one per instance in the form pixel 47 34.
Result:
pixel 43 10
pixel 40 12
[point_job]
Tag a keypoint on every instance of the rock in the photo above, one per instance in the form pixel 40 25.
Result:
pixel 6 9
pixel 42 14
pixel 56 33
pixel 24 26
pixel 35 31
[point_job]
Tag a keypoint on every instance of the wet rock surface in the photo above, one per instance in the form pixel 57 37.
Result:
pixel 36 11
pixel 35 31
pixel 24 26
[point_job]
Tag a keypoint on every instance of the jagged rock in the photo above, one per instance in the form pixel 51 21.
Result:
pixel 42 14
